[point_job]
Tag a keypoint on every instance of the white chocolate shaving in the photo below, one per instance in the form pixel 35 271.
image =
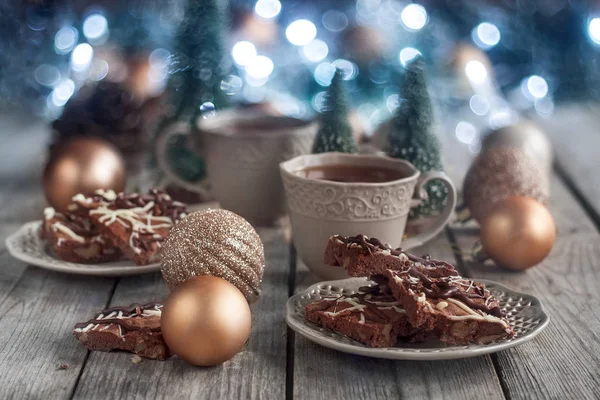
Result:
pixel 57 226
pixel 474 315
pixel 49 212
pixel 109 195
pixel 355 306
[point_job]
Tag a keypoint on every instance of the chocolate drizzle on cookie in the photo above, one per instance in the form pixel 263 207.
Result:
pixel 444 288
pixel 374 244
pixel 126 313
pixel 376 315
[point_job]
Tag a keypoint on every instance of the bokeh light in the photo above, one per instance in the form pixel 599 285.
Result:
pixel 534 87
pixel 544 106
pixel 243 52
pixel 260 67
pixel 231 84
pixel 466 132
pixel 334 20
pixel 414 16
pixel 324 73
pixel 392 102
pixel 476 72
pixel 315 51
pixel 349 69
pixel 47 75
pixel 159 58
pixel 301 32
pixel 267 9
pixel 95 28
pixel 479 105
pixel 318 101
pixel 594 30
pixel 65 39
pixel 407 54
pixel 99 70
pixel 62 93
pixel 207 110
pixel 81 58
pixel 486 35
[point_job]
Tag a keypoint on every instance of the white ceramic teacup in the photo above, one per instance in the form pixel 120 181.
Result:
pixel 322 208
pixel 242 150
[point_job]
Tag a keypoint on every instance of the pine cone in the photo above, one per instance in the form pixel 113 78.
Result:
pixel 108 111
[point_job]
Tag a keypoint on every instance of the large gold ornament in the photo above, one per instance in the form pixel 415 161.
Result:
pixel 214 242
pixel 206 321
pixel 499 173
pixel 518 233
pixel 82 166
pixel 526 136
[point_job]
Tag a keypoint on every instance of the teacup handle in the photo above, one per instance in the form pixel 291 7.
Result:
pixel 177 128
pixel 442 219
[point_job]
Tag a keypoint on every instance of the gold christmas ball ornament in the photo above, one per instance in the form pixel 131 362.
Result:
pixel 206 321
pixel 500 173
pixel 82 165
pixel 524 135
pixel 218 243
pixel 518 233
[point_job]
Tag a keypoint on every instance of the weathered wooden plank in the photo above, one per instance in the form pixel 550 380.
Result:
pixel 560 363
pixel 36 320
pixel 324 373
pixel 257 372
pixel 573 130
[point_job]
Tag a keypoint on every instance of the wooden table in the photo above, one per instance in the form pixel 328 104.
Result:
pixel 38 308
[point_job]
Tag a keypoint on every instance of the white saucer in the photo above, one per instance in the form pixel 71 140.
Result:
pixel 27 246
pixel 523 311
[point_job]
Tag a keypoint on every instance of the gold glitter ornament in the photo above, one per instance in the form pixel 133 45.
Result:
pixel 499 173
pixel 218 243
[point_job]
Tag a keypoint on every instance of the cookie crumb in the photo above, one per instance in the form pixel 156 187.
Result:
pixel 62 367
pixel 136 359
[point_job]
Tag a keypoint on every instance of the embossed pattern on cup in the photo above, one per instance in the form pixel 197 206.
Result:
pixel 321 208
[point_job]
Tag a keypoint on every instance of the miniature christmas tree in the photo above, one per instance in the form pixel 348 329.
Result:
pixel 335 133
pixel 196 71
pixel 411 136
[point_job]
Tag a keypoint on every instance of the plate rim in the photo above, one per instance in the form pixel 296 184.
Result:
pixel 398 353
pixel 68 267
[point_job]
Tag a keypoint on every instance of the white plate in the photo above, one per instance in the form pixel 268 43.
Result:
pixel 27 246
pixel 523 311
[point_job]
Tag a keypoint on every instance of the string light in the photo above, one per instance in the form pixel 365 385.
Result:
pixel 594 30
pixel 62 93
pixel 479 105
pixel 260 67
pixel 334 21
pixel 47 75
pixel 324 73
pixel 534 87
pixel 407 54
pixel 414 17
pixel 465 132
pixel 476 72
pixel 95 28
pixel 315 51
pixel 65 40
pixel 267 9
pixel 243 52
pixel 301 32
pixel 81 57
pixel 486 35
